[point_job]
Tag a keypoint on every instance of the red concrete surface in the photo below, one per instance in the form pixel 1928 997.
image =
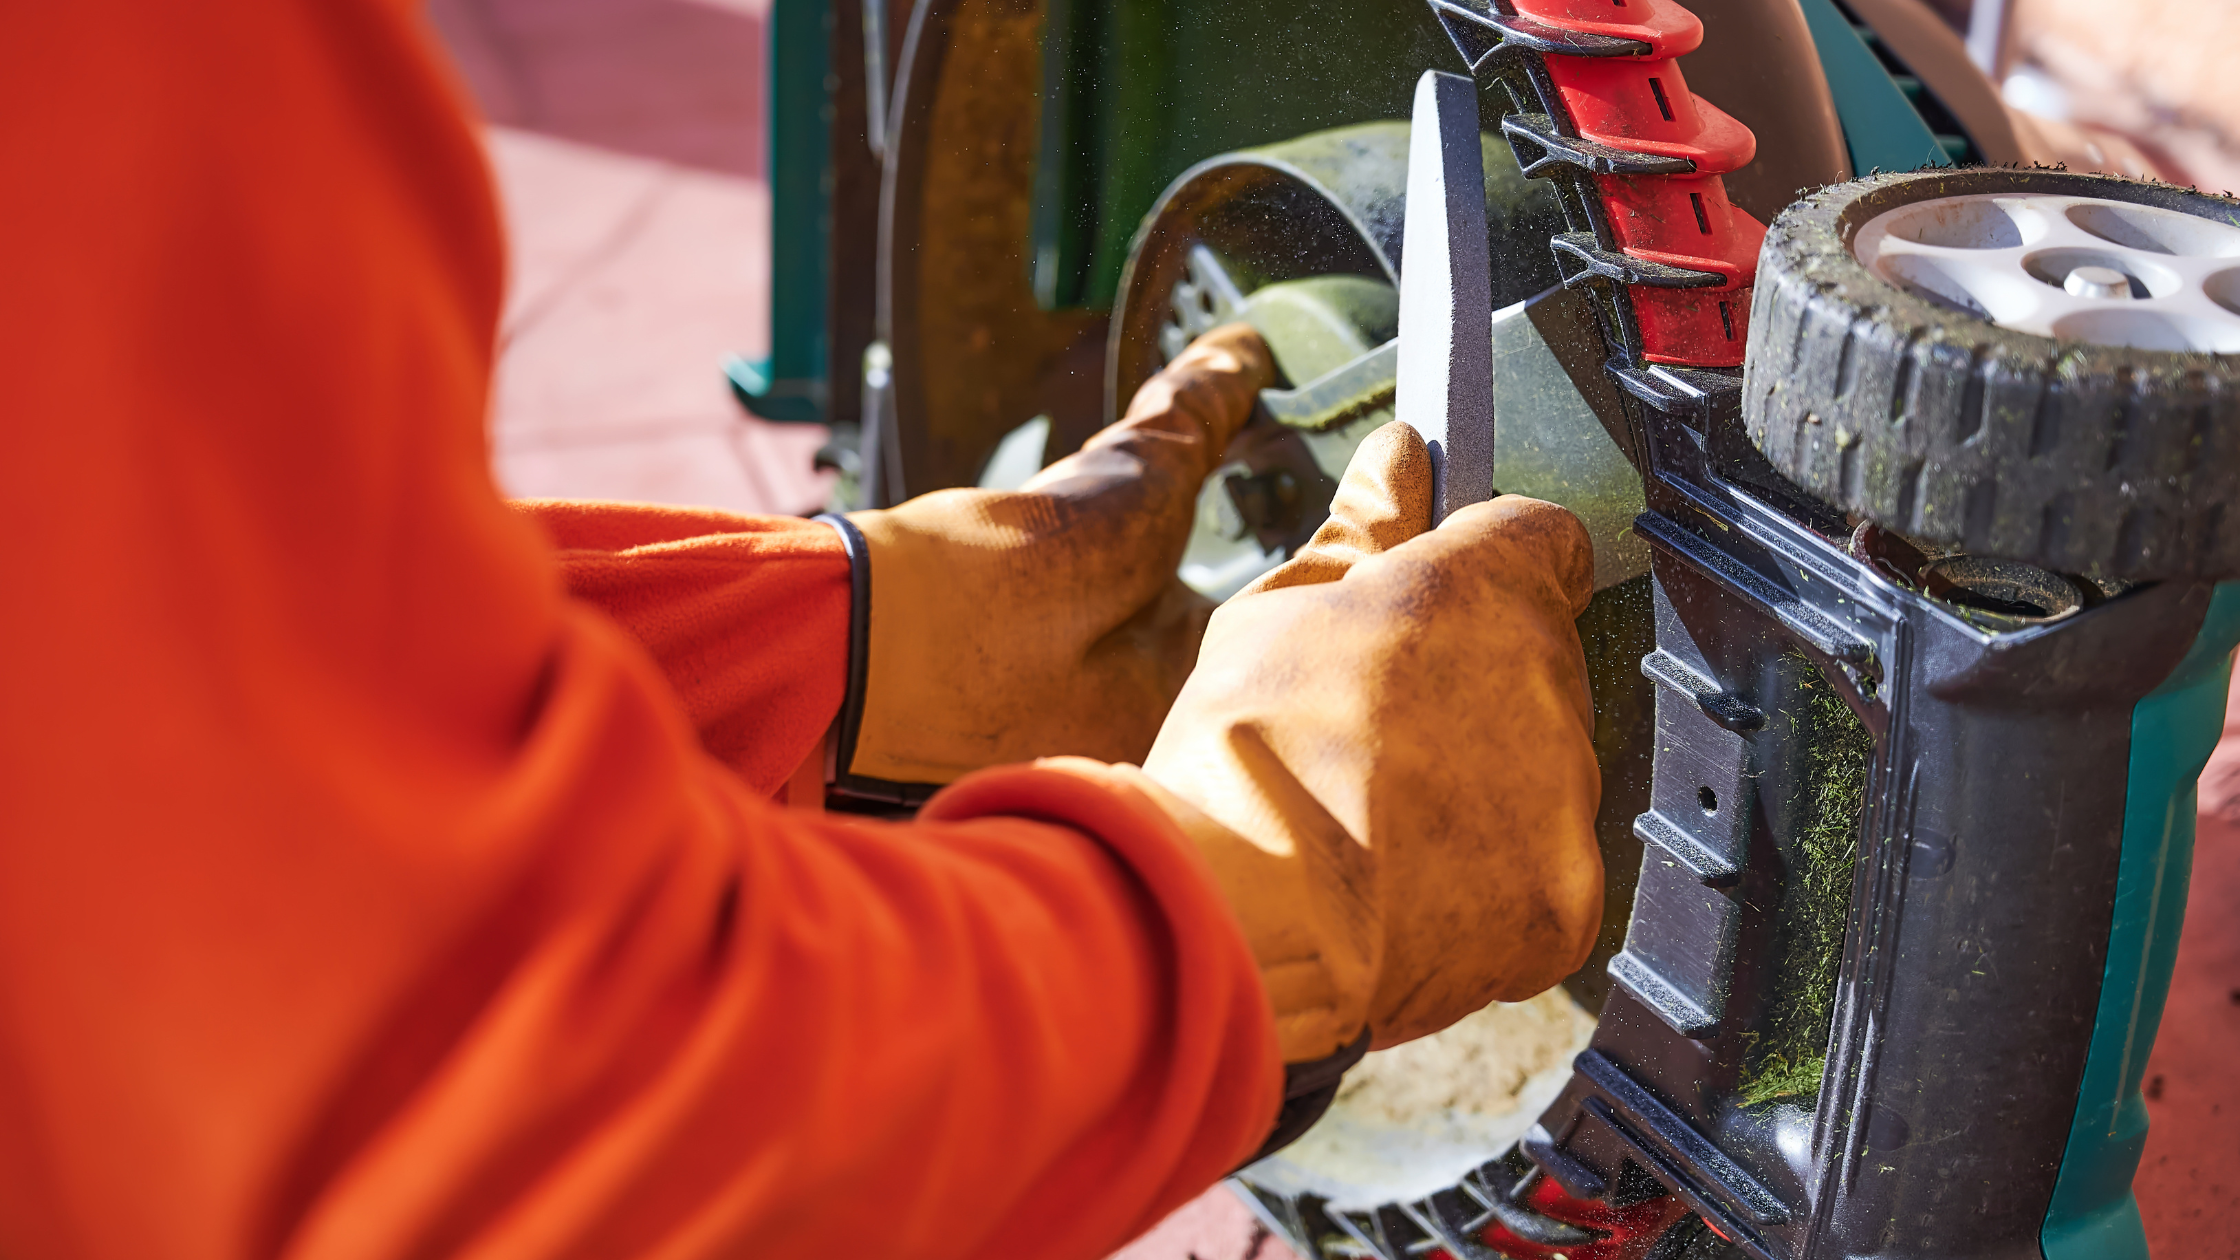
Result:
pixel 2189 1179
pixel 2156 71
pixel 627 142
pixel 1213 1226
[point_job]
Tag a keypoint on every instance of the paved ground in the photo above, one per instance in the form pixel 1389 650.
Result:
pixel 2189 1179
pixel 627 139
pixel 2156 70
pixel 628 148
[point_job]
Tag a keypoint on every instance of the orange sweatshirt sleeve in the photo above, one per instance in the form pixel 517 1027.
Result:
pixel 692 585
pixel 364 897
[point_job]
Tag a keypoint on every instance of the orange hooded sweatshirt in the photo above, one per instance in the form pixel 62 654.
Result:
pixel 363 893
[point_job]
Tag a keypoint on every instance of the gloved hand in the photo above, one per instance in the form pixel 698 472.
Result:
pixel 1384 753
pixel 1009 625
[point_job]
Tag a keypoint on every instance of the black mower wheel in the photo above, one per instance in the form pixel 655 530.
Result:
pixel 2029 364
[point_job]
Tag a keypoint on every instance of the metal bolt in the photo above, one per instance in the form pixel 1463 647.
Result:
pixel 2098 282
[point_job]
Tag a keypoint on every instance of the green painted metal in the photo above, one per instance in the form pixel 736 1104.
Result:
pixel 1065 168
pixel 2173 730
pixel 1141 90
pixel 789 383
pixel 1149 88
pixel 1880 125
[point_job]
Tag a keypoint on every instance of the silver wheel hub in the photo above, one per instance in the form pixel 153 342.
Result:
pixel 2112 273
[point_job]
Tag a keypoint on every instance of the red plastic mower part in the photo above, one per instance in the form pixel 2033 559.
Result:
pixel 1687 221
pixel 1625 1233
pixel 1667 28
pixel 1643 105
pixel 1693 327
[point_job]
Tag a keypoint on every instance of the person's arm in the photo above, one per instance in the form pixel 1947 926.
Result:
pixel 363 896
pixel 747 617
pixel 993 626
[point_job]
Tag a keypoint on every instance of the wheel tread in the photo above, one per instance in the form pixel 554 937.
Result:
pixel 2088 459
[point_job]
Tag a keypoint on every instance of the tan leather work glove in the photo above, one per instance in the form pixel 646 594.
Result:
pixel 1385 754
pixel 1009 625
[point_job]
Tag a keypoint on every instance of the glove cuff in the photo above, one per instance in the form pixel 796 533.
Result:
pixel 846 790
pixel 1309 1084
pixel 1314 966
pixel 1308 1090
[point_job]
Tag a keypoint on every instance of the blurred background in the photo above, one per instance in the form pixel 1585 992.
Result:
pixel 628 138
pixel 628 141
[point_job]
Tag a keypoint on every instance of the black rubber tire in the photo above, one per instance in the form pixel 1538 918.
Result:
pixel 1929 420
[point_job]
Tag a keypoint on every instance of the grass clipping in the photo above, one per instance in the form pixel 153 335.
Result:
pixel 1479 1066
pixel 1836 752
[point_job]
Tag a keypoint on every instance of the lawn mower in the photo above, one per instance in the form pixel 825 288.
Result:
pixel 1906 459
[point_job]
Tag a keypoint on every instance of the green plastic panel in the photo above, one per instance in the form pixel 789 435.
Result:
pixel 1880 125
pixel 789 383
pixel 2173 731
